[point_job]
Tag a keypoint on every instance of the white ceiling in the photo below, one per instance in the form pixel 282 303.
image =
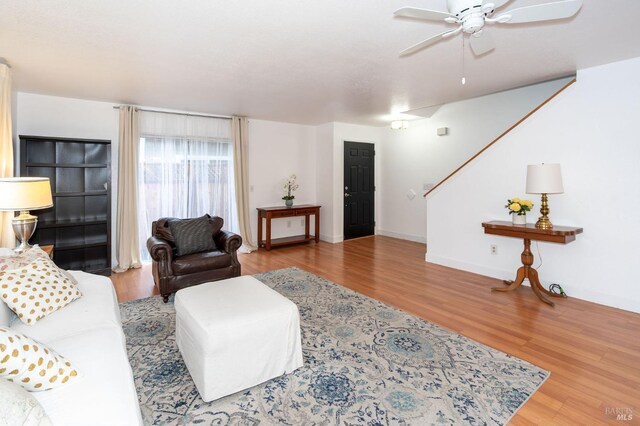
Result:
pixel 297 61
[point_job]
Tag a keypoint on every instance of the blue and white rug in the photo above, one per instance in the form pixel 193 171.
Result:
pixel 365 363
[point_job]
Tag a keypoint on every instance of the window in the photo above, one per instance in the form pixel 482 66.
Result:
pixel 186 172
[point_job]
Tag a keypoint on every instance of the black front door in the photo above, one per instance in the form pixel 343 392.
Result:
pixel 358 189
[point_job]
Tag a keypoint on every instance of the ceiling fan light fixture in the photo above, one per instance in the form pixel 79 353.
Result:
pixel 399 125
pixel 472 15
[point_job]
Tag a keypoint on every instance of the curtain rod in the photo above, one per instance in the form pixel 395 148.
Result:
pixel 178 113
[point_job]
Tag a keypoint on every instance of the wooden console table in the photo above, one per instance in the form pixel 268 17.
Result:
pixel 559 234
pixel 269 213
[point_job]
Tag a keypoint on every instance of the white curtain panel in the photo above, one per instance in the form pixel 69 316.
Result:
pixel 7 237
pixel 241 148
pixel 186 170
pixel 127 249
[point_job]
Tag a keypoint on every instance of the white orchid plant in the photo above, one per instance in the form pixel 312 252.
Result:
pixel 290 185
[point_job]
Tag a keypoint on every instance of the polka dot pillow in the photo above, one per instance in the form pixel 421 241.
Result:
pixel 36 290
pixel 31 364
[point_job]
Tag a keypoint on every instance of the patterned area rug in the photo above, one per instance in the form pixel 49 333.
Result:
pixel 365 363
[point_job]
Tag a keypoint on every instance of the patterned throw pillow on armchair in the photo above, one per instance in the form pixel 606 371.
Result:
pixel 192 235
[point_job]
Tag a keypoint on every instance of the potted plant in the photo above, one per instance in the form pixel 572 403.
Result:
pixel 518 209
pixel 290 185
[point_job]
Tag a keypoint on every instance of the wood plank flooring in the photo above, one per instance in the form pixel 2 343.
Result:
pixel 592 351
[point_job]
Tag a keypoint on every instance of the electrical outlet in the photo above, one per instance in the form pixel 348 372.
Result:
pixel 288 224
pixel 494 249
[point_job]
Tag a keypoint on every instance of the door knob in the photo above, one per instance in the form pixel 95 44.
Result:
pixel 347 195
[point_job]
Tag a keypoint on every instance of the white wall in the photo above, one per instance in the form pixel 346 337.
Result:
pixel 591 130
pixel 277 150
pixel 325 181
pixel 39 115
pixel 417 156
pixel 404 160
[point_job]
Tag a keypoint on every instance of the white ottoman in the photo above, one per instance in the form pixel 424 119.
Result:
pixel 236 333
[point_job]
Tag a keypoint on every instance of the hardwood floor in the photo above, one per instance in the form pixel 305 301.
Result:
pixel 592 351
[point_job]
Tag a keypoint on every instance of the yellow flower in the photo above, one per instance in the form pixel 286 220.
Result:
pixel 515 207
pixel 527 203
pixel 515 200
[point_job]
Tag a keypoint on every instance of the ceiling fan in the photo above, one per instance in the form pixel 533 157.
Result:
pixel 472 15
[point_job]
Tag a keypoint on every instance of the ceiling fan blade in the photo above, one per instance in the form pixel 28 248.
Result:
pixel 482 44
pixel 428 42
pixel 413 12
pixel 542 12
pixel 497 3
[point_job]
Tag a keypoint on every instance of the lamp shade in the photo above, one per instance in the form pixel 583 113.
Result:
pixel 544 179
pixel 25 193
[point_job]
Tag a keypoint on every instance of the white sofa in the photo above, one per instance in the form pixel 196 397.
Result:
pixel 88 332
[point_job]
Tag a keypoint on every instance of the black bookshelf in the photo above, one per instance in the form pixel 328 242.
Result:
pixel 79 223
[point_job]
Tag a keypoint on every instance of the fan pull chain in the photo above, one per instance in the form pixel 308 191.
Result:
pixel 464 80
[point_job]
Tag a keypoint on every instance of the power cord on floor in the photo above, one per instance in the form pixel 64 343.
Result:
pixel 556 289
pixel 553 288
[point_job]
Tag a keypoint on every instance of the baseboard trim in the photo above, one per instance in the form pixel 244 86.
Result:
pixel 625 303
pixel 400 235
pixel 331 239
pixel 470 267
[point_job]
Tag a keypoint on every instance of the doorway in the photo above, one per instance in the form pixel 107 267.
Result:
pixel 359 190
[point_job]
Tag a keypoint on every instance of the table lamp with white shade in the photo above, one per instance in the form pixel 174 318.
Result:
pixel 544 179
pixel 23 194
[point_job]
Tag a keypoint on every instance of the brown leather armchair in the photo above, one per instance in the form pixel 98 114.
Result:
pixel 172 273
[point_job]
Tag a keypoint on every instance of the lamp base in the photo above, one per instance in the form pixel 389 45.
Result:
pixel 544 222
pixel 24 225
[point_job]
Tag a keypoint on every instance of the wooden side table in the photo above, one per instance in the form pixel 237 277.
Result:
pixel 559 234
pixel 269 213
pixel 48 249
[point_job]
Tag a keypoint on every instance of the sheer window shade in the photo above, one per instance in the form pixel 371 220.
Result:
pixel 185 126
pixel 187 170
